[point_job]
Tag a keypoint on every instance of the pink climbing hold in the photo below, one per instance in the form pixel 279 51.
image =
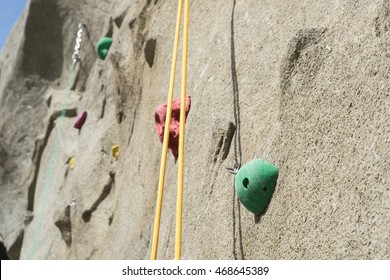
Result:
pixel 160 115
pixel 80 120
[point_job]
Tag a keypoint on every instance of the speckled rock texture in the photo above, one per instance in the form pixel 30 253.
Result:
pixel 304 85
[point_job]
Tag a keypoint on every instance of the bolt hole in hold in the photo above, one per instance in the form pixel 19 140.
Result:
pixel 264 189
pixel 245 182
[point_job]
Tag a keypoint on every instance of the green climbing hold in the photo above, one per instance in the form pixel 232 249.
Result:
pixel 103 46
pixel 255 183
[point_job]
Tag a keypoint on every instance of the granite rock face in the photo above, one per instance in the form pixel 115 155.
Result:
pixel 302 84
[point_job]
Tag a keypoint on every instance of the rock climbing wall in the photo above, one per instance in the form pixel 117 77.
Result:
pixel 304 85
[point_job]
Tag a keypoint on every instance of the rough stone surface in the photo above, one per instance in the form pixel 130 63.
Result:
pixel 302 84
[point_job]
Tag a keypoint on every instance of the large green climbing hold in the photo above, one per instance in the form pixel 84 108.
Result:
pixel 255 183
pixel 103 46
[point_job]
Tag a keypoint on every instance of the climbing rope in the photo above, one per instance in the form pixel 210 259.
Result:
pixel 76 54
pixel 180 178
pixel 157 220
pixel 163 163
pixel 53 155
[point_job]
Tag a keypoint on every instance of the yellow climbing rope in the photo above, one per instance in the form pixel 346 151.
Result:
pixel 166 136
pixel 180 178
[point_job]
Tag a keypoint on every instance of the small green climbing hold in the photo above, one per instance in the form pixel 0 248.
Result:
pixel 103 46
pixel 255 183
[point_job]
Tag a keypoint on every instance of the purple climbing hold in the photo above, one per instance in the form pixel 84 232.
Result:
pixel 80 120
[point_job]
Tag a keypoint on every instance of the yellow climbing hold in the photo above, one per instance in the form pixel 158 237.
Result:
pixel 115 152
pixel 71 163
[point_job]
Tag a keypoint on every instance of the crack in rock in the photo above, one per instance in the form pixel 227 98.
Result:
pixel 40 145
pixel 87 214
pixel 64 224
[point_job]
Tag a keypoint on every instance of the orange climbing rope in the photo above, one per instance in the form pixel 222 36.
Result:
pixel 180 178
pixel 166 136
